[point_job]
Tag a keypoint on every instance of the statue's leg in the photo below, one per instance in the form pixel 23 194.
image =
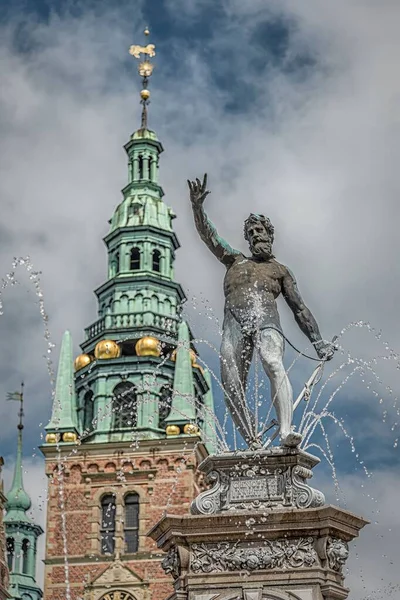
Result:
pixel 270 345
pixel 235 358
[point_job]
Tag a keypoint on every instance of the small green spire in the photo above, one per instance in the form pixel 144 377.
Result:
pixel 18 501
pixel 209 430
pixel 183 399
pixel 63 417
pixel 21 531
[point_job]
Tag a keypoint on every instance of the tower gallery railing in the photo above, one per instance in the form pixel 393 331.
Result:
pixel 132 320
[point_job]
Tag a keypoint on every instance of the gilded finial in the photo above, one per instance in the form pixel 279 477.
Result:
pixel 145 70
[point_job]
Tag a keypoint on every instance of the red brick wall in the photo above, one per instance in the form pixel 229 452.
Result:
pixel 164 477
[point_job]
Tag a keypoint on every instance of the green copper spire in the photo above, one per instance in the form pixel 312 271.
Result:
pixel 21 531
pixel 126 381
pixel 183 408
pixel 18 501
pixel 63 418
pixel 209 431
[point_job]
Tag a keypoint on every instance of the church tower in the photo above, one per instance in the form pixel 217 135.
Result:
pixel 21 532
pixel 133 414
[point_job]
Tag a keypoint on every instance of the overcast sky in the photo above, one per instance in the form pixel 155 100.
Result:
pixel 291 107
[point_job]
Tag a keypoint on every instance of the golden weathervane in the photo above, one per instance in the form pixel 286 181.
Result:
pixel 145 70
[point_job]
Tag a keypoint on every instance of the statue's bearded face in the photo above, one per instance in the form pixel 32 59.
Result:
pixel 260 240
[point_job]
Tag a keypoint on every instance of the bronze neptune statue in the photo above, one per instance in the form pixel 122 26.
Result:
pixel 251 319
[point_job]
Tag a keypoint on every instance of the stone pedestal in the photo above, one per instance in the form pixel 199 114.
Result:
pixel 248 480
pixel 255 539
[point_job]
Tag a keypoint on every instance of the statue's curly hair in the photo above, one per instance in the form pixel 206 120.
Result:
pixel 259 219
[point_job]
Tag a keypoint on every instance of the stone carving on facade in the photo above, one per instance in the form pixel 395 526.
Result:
pixel 209 501
pixel 109 582
pixel 171 563
pixel 275 554
pixel 337 552
pixel 304 495
pixel 248 484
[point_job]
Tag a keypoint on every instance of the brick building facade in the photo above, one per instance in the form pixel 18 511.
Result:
pixel 163 475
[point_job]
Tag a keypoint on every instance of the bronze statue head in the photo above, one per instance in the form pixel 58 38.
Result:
pixel 259 232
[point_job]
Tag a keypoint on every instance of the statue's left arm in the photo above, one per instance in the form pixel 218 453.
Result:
pixel 303 316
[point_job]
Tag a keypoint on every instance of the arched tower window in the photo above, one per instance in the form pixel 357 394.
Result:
pixel 10 553
pixel 164 405
pixel 156 260
pixel 151 161
pixel 131 524
pixel 135 259
pixel 107 531
pixel 88 411
pixel 124 405
pixel 141 166
pixel 25 561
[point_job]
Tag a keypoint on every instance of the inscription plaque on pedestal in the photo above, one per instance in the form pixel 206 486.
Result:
pixel 268 487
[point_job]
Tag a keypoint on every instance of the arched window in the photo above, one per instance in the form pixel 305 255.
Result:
pixel 164 405
pixel 131 523
pixel 151 168
pixel 124 405
pixel 25 560
pixel 156 260
pixel 10 553
pixel 140 164
pixel 107 531
pixel 135 259
pixel 88 411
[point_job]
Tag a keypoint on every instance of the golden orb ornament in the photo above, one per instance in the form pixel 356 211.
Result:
pixel 191 429
pixel 172 430
pixel 69 437
pixel 145 94
pixel 52 438
pixel 193 356
pixel 148 346
pixel 83 360
pixel 107 349
pixel 146 31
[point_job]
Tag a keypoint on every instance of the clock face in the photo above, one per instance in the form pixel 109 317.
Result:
pixel 118 595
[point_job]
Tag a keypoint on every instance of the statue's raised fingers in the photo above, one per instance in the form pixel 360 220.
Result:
pixel 204 186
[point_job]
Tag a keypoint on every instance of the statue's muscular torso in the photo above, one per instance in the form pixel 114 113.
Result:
pixel 251 287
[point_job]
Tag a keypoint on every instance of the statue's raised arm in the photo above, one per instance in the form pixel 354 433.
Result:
pixel 207 231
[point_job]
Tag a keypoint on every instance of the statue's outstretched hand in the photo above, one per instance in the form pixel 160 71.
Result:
pixel 326 351
pixel 198 191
